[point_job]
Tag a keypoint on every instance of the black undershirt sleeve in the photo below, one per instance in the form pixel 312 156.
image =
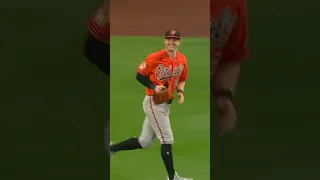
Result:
pixel 144 80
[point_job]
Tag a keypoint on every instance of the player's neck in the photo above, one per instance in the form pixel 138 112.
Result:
pixel 172 54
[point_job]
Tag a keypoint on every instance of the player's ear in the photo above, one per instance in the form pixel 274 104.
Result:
pixel 179 42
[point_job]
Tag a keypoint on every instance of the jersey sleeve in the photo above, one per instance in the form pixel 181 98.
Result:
pixel 146 67
pixel 184 74
pixel 236 47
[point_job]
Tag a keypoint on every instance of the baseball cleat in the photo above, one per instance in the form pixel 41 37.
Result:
pixel 110 152
pixel 177 177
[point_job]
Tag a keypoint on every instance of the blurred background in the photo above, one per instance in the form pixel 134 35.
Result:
pixel 53 102
pixel 277 135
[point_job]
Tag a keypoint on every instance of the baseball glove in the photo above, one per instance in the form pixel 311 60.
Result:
pixel 162 97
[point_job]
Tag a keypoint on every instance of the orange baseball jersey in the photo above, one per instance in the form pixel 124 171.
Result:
pixel 161 69
pixel 228 31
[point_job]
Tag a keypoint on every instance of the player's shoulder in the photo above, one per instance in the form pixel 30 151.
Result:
pixel 162 53
pixel 153 55
pixel 159 55
pixel 182 57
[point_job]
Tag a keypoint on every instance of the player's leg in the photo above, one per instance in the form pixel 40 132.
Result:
pixel 143 141
pixel 158 116
pixel 98 53
pixel 147 134
pixel 159 120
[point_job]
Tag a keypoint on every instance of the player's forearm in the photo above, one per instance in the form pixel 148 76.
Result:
pixel 144 80
pixel 226 77
pixel 181 85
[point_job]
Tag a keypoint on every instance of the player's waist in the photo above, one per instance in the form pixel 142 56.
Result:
pixel 169 101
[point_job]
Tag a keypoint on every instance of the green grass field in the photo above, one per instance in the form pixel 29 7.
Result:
pixel 190 121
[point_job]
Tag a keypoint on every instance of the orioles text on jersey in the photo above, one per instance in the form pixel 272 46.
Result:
pixel 163 73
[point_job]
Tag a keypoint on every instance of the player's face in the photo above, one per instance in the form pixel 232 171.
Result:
pixel 172 44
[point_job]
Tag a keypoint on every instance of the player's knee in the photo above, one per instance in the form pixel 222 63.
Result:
pixel 167 140
pixel 145 142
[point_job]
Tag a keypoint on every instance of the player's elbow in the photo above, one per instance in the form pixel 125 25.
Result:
pixel 138 76
pixel 141 78
pixel 227 76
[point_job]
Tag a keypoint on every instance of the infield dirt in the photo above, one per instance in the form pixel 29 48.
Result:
pixel 147 18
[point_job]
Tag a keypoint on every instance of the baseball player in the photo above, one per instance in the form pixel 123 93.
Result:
pixel 228 32
pixel 162 73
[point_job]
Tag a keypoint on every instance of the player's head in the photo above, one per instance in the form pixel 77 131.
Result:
pixel 172 40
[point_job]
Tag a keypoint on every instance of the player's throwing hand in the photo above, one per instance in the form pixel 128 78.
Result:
pixel 180 98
